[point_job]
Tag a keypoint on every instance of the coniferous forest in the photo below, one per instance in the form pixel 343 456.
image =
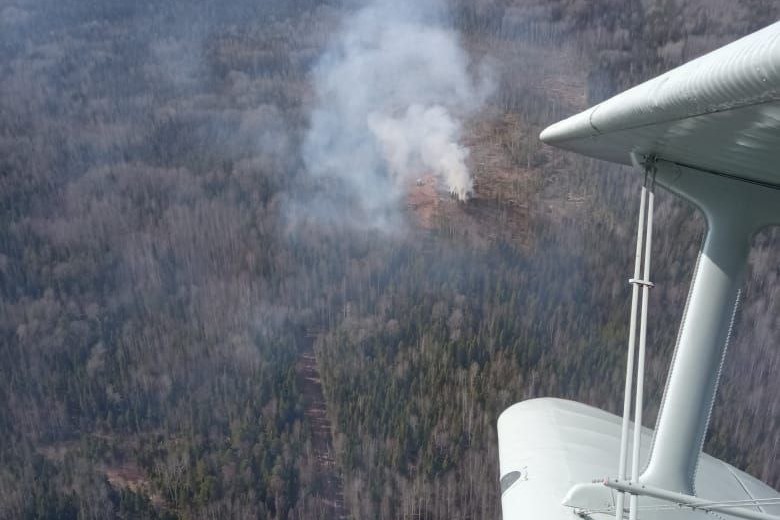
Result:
pixel 194 325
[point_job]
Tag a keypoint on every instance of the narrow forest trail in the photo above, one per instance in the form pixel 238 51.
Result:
pixel 331 492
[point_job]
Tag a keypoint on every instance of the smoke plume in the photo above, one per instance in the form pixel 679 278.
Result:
pixel 391 92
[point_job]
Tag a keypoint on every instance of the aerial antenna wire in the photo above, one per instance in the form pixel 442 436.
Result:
pixel 641 257
pixel 631 348
pixel 640 367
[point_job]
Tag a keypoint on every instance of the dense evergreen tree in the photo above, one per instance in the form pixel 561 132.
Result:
pixel 157 296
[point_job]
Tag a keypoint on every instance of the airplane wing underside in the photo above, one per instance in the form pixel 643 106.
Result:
pixel 718 113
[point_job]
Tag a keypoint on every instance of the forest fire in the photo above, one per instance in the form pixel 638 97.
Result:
pixel 423 200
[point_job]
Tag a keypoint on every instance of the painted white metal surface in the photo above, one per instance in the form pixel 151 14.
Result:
pixel 641 353
pixel 712 127
pixel 629 383
pixel 719 112
pixel 734 211
pixel 744 509
pixel 552 444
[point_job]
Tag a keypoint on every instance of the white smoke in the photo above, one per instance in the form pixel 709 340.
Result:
pixel 391 92
pixel 423 139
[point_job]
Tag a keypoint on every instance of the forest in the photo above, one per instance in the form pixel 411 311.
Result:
pixel 194 324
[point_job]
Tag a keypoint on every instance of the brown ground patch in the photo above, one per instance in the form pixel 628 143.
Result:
pixel 330 496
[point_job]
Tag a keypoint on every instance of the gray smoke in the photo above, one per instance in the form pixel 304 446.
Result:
pixel 391 92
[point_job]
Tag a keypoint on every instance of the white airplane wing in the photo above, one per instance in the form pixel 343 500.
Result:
pixel 548 446
pixel 720 112
pixel 708 131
